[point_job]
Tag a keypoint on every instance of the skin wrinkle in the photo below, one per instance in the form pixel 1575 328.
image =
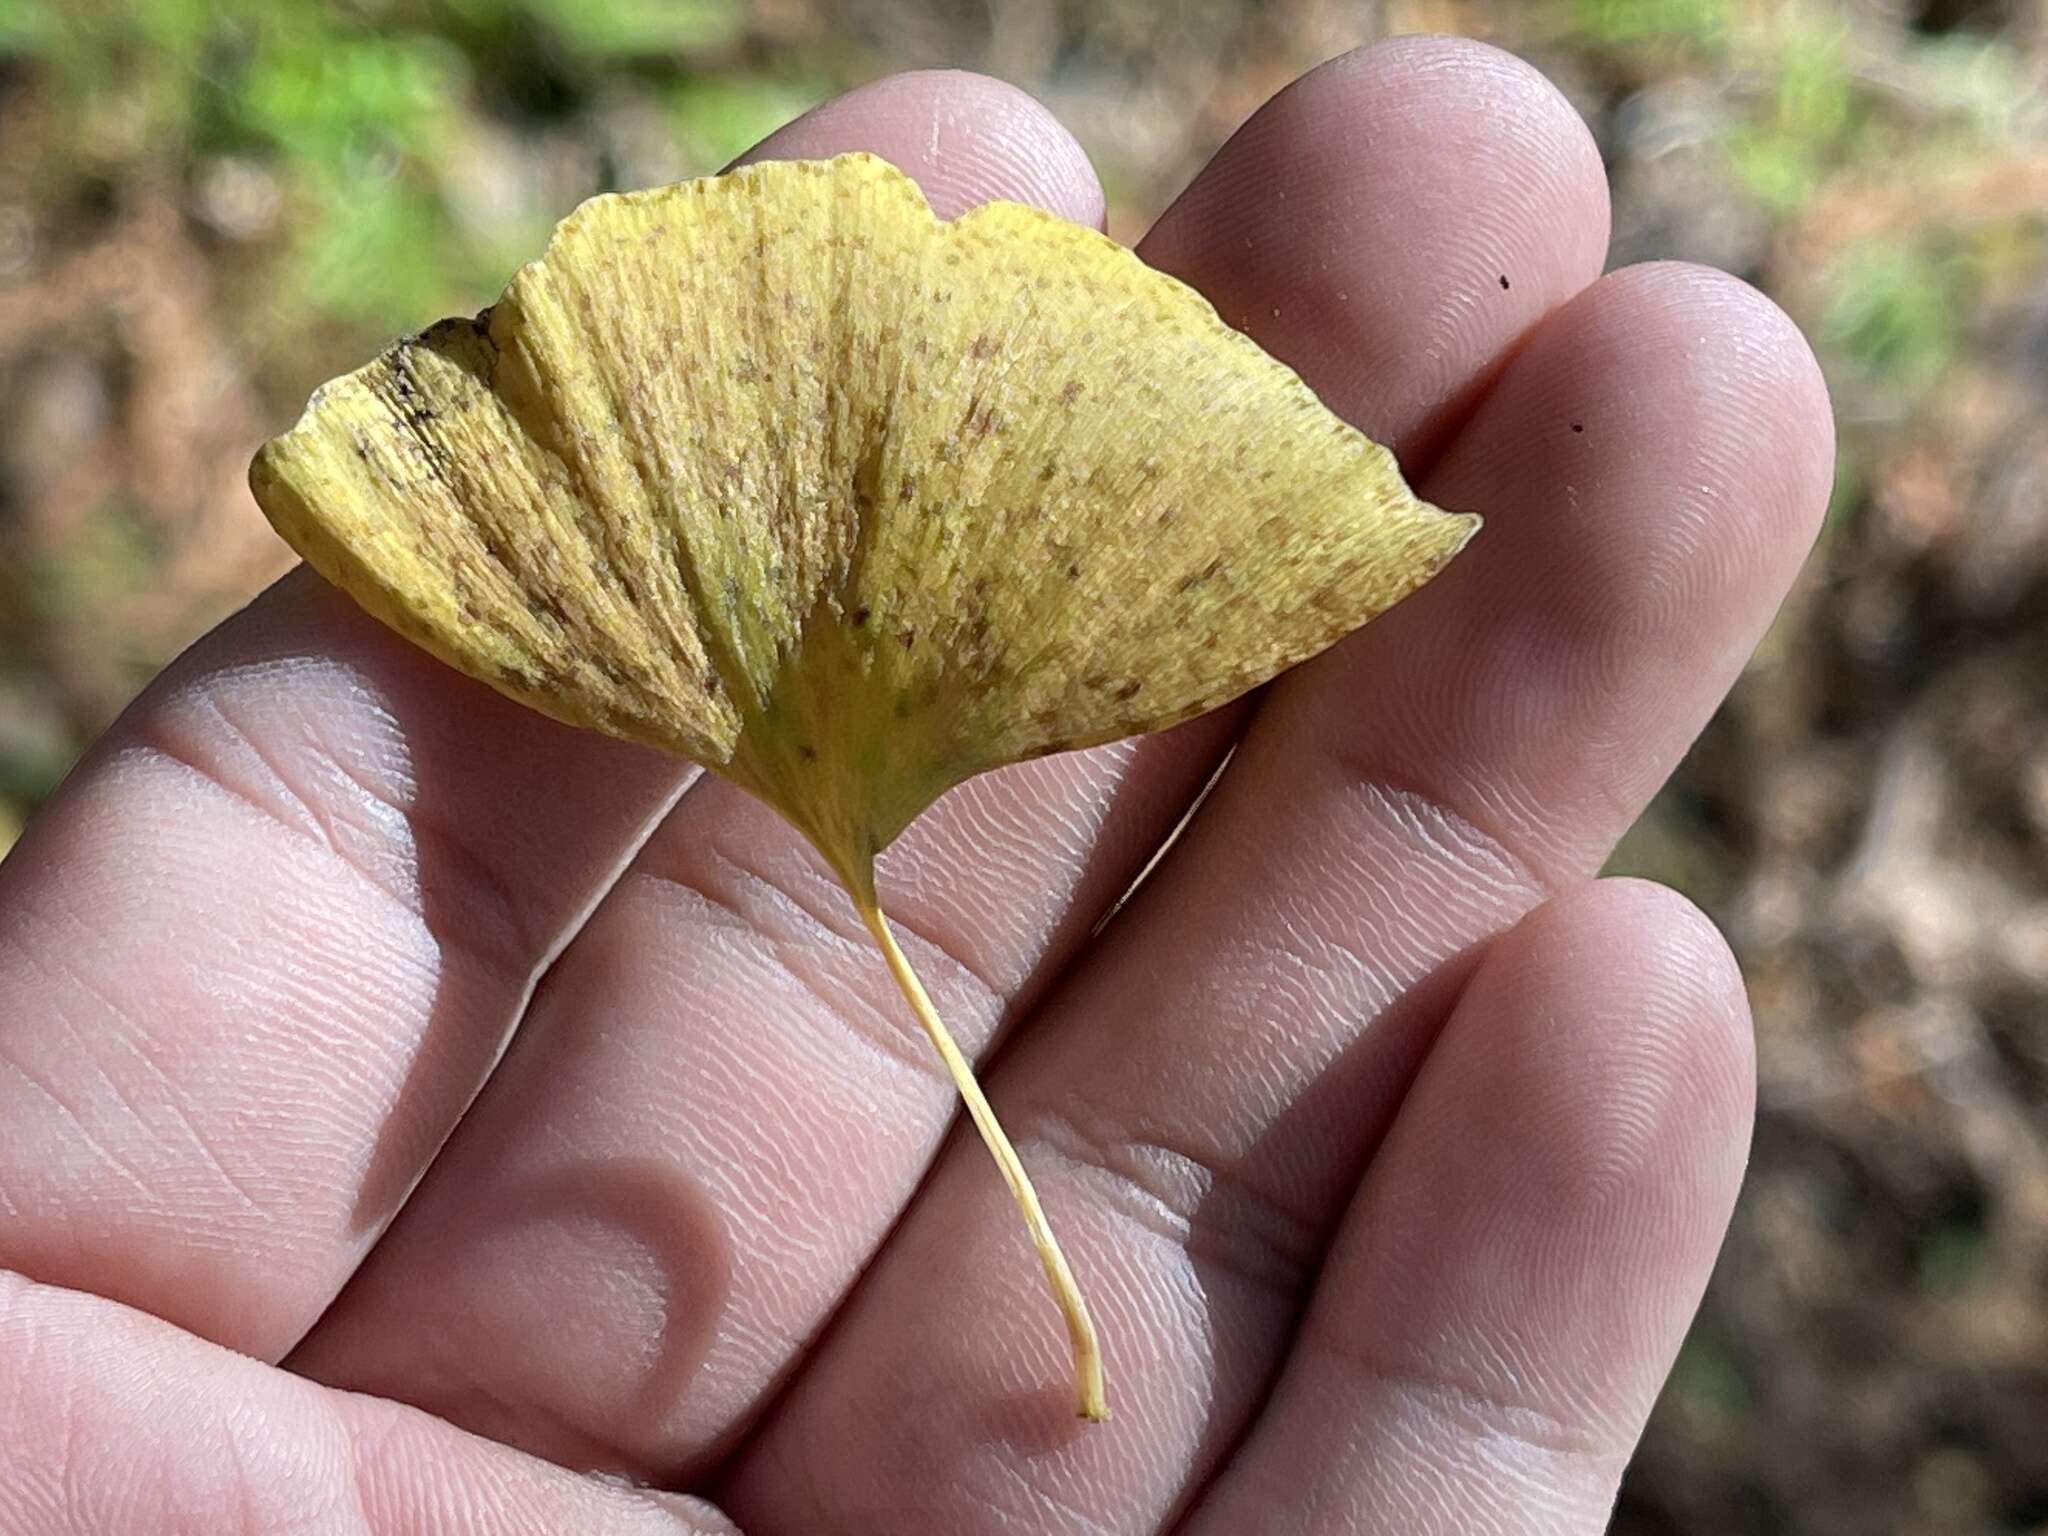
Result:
pixel 1414 913
pixel 155 1194
pixel 872 1023
pixel 757 1169
pixel 80 1125
pixel 1465 1413
pixel 764 1161
pixel 189 1129
pixel 153 753
pixel 1002 820
pixel 1256 1237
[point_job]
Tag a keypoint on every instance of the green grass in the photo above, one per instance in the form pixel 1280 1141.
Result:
pixel 358 114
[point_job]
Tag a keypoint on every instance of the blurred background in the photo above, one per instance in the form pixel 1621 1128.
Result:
pixel 209 206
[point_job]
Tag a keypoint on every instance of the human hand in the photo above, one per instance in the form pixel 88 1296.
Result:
pixel 1392 1149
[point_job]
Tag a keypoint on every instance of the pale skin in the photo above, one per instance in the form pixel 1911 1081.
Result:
pixel 1392 1148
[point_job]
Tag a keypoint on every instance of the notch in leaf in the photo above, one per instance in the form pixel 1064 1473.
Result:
pixel 778 471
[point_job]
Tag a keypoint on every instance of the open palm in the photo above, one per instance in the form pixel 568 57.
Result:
pixel 409 1106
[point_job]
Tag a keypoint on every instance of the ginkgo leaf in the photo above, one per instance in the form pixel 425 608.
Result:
pixel 781 472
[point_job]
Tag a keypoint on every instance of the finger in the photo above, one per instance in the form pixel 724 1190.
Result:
pixel 1391 224
pixel 1207 1089
pixel 964 138
pixel 115 1423
pixel 260 949
pixel 1515 1276
pixel 720 1103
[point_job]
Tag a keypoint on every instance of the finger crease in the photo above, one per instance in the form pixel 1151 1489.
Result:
pixel 1201 1204
pixel 1469 1410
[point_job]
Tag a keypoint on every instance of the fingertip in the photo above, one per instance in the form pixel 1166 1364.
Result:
pixel 1732 323
pixel 1584 1119
pixel 965 138
pixel 1392 223
pixel 1595 1077
pixel 1682 1045
pixel 1698 392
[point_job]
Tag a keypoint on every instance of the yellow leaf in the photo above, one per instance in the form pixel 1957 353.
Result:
pixel 781 472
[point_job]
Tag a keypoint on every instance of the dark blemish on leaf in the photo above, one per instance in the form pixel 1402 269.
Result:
pixel 908 636
pixel 1503 282
pixel 907 489
pixel 1578 426
pixel 1047 471
pixel 1128 691
pixel 1073 573
pixel 808 754
pixel 860 616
